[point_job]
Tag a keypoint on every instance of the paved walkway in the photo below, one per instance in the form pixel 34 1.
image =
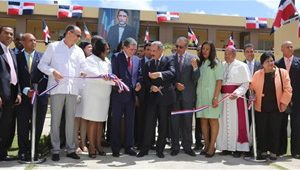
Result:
pixel 181 161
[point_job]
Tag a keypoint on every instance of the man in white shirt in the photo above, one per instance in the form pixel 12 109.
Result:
pixel 62 62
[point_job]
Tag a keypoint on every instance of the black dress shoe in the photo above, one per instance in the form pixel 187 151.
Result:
pixel 160 154
pixel 236 154
pixel 55 157
pixel 198 147
pixel 153 147
pixel 8 158
pixel 248 154
pixel 116 154
pixel 142 154
pixel 73 155
pixel 203 152
pixel 296 156
pixel 105 143
pixel 130 152
pixel 24 157
pixel 225 152
pixel 174 152
pixel 101 153
pixel 190 152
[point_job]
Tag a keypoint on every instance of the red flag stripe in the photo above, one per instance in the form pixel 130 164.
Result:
pixel 13 11
pixel 75 7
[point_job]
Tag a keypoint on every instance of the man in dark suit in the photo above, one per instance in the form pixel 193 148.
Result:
pixel 126 66
pixel 119 32
pixel 160 79
pixel 28 75
pixel 9 91
pixel 253 66
pixel 292 64
pixel 18 44
pixel 185 83
pixel 142 95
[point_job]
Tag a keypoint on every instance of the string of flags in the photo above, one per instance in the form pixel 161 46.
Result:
pixel 20 8
pixel 286 13
pixel 256 23
pixel 167 16
pixel 69 11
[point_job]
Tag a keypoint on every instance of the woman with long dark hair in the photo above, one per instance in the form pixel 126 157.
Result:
pixel 208 93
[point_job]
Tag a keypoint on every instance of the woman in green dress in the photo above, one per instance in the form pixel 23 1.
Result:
pixel 209 93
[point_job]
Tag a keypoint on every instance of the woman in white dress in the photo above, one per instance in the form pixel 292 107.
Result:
pixel 96 95
pixel 80 124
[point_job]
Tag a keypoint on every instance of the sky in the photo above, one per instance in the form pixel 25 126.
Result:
pixel 246 8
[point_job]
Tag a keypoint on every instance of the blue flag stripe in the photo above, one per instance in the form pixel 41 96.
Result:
pixel 14 3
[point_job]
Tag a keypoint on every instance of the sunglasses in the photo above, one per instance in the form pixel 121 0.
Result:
pixel 180 47
pixel 78 35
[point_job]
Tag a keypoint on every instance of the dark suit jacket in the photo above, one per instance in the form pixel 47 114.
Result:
pixel 113 35
pixel 257 65
pixel 167 68
pixel 143 93
pixel 5 86
pixel 294 76
pixel 27 78
pixel 120 69
pixel 186 76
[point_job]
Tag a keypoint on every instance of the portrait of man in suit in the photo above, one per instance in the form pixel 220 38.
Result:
pixel 121 30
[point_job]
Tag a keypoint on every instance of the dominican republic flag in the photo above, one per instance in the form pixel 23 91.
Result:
pixel 286 13
pixel 46 34
pixel 193 41
pixel 147 36
pixel 69 11
pixel 230 41
pixel 256 23
pixel 167 16
pixel 20 8
pixel 86 32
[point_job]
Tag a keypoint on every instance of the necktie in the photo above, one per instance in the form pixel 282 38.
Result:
pixel 250 67
pixel 13 74
pixel 180 62
pixel 156 64
pixel 129 65
pixel 288 64
pixel 29 62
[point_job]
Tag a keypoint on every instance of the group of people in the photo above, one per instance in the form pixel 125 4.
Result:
pixel 85 87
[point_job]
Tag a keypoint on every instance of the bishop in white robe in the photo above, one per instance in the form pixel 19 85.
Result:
pixel 234 129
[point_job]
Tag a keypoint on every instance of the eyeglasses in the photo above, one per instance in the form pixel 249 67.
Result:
pixel 78 35
pixel 178 46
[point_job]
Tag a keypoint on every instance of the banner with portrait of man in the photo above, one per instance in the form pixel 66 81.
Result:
pixel 115 25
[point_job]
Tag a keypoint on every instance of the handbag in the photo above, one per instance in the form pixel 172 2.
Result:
pixel 288 108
